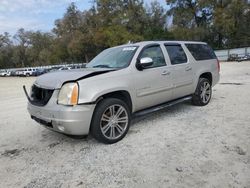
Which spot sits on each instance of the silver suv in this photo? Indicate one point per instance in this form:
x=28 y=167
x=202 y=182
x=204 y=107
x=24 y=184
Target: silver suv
x=123 y=82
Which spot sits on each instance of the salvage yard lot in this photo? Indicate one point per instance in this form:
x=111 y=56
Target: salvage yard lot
x=182 y=146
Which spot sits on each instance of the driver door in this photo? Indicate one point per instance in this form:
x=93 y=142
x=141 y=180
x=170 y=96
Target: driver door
x=153 y=85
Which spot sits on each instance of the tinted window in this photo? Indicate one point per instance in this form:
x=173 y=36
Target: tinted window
x=155 y=53
x=201 y=51
x=176 y=54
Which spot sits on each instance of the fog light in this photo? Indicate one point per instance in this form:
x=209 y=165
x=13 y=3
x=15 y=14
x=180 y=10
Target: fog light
x=61 y=128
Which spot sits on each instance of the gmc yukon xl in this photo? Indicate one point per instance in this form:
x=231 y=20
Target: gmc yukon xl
x=123 y=82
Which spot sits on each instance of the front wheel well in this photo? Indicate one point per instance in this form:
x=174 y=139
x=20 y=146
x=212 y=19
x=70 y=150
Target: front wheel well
x=122 y=95
x=207 y=75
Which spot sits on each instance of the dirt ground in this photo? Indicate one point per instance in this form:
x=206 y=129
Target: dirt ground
x=182 y=146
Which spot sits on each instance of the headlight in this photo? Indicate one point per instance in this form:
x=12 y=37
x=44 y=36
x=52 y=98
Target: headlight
x=68 y=94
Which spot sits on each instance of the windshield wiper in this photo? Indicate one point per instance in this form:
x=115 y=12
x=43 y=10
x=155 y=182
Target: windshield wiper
x=101 y=66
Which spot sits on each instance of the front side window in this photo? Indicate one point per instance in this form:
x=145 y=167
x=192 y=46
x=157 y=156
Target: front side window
x=155 y=53
x=118 y=57
x=176 y=54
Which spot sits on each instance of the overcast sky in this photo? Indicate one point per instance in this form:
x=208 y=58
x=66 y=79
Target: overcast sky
x=37 y=14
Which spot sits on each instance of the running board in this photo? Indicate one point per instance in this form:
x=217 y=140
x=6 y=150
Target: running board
x=161 y=106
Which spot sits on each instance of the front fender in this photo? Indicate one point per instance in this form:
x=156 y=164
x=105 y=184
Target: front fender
x=92 y=88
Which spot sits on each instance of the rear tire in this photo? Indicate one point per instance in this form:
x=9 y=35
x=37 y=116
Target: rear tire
x=111 y=121
x=203 y=92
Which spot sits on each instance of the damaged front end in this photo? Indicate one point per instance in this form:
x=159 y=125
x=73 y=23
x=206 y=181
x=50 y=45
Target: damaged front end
x=38 y=96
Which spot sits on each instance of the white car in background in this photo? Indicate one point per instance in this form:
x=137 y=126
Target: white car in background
x=5 y=73
x=27 y=72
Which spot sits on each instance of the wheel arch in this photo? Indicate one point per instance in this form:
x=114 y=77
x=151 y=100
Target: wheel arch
x=119 y=94
x=207 y=75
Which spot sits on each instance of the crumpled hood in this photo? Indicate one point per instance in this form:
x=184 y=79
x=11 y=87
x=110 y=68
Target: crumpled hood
x=55 y=80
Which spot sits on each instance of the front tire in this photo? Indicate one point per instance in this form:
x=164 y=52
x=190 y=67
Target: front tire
x=111 y=121
x=203 y=92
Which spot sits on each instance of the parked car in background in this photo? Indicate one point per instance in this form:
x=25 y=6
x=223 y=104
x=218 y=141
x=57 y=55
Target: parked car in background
x=123 y=82
x=4 y=73
x=18 y=72
x=27 y=72
x=77 y=66
x=13 y=73
x=233 y=57
x=244 y=58
x=74 y=67
x=39 y=72
x=65 y=68
x=53 y=69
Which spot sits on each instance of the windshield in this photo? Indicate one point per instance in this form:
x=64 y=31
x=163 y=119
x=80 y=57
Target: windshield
x=119 y=57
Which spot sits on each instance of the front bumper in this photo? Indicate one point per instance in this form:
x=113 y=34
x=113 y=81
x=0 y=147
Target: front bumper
x=72 y=120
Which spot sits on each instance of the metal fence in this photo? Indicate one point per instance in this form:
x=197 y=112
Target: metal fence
x=44 y=67
x=223 y=55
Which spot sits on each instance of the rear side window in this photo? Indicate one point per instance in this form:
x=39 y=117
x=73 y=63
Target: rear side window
x=176 y=54
x=201 y=51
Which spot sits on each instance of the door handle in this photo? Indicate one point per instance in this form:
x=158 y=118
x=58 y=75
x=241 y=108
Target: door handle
x=188 y=68
x=165 y=73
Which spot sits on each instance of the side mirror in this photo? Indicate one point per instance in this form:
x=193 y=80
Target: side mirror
x=144 y=63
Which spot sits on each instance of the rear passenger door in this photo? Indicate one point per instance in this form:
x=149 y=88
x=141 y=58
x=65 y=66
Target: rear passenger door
x=182 y=70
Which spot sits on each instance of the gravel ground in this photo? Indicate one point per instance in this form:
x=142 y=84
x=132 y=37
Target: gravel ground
x=182 y=146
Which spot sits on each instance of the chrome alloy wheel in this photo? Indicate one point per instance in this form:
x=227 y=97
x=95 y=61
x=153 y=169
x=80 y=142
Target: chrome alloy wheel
x=205 y=92
x=114 y=121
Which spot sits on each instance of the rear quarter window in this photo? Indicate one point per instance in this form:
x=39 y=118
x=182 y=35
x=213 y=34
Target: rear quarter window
x=201 y=51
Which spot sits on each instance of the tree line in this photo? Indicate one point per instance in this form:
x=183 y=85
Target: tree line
x=79 y=35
